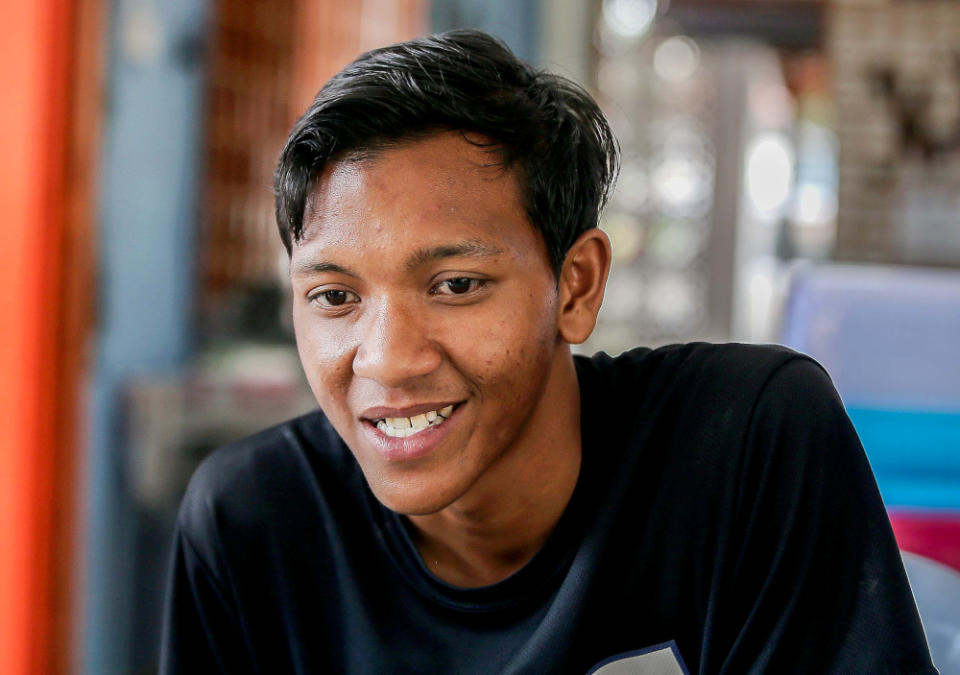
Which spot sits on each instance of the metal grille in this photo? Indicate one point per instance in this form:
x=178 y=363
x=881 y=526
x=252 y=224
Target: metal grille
x=897 y=92
x=269 y=57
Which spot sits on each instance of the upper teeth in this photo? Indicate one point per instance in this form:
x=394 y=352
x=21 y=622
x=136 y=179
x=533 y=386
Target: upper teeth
x=401 y=427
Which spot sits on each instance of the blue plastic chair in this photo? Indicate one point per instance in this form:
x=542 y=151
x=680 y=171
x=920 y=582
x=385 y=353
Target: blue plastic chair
x=890 y=339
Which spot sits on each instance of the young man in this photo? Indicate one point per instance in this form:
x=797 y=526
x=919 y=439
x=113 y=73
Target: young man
x=470 y=498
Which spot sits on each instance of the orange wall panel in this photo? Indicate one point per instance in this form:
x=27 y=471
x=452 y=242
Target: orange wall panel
x=33 y=73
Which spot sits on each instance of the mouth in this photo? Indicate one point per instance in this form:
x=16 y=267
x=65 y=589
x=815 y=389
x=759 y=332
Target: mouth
x=404 y=427
x=401 y=434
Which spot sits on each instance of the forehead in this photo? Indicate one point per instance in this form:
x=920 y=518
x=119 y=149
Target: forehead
x=439 y=185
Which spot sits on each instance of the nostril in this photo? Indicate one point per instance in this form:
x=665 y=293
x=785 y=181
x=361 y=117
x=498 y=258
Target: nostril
x=391 y=365
x=395 y=353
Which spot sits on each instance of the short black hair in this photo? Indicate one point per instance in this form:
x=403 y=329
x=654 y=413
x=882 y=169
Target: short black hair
x=543 y=124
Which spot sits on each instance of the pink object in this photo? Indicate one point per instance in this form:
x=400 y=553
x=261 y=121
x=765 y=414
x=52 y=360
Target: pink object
x=932 y=534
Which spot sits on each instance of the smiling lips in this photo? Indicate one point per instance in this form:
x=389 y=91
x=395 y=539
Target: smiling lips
x=403 y=427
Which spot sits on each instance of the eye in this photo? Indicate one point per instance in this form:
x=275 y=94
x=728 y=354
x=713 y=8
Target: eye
x=333 y=298
x=457 y=286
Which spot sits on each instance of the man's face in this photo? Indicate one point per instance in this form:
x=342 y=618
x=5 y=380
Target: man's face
x=425 y=310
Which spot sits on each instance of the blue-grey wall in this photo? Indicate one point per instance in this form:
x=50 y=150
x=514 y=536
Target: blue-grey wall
x=516 y=22
x=147 y=226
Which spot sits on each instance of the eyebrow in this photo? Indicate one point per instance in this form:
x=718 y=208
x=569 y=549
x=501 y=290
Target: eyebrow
x=471 y=248
x=316 y=267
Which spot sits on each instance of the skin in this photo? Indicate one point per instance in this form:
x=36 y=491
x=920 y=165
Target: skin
x=420 y=281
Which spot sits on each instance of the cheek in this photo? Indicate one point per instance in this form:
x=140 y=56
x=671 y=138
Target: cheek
x=324 y=352
x=511 y=351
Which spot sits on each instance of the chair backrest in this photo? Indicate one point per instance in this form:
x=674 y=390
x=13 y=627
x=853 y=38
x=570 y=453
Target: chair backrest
x=890 y=339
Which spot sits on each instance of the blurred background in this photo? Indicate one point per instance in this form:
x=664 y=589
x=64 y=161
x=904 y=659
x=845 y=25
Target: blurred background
x=791 y=174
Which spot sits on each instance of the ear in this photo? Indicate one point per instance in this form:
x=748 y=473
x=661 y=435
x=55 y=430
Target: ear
x=583 y=278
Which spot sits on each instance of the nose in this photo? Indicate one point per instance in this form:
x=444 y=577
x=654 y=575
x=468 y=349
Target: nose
x=394 y=347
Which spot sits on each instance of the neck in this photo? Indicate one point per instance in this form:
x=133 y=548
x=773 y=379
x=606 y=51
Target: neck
x=506 y=517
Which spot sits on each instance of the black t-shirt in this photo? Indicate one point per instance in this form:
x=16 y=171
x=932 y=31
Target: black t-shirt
x=724 y=506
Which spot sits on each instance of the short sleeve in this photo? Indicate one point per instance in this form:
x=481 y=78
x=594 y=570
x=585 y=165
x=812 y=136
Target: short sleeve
x=816 y=582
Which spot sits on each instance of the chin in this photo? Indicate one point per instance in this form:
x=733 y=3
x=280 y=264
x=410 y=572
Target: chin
x=411 y=501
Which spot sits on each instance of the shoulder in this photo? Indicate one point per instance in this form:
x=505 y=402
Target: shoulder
x=723 y=372
x=765 y=409
x=240 y=487
x=240 y=466
x=731 y=362
x=712 y=409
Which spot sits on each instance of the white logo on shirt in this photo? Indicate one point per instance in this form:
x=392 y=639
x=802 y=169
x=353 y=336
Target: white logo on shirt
x=661 y=659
